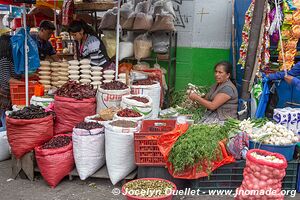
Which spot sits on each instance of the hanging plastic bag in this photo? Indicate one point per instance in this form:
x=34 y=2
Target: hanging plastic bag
x=125 y=11
x=125 y=50
x=109 y=41
x=142 y=21
x=109 y=20
x=163 y=23
x=160 y=42
x=143 y=7
x=142 y=47
x=18 y=50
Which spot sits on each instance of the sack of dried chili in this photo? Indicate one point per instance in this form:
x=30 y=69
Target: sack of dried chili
x=70 y=112
x=26 y=134
x=55 y=163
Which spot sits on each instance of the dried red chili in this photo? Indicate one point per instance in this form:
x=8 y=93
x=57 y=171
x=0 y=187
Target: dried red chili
x=30 y=112
x=89 y=125
x=114 y=85
x=128 y=113
x=140 y=99
x=144 y=82
x=57 y=142
x=72 y=89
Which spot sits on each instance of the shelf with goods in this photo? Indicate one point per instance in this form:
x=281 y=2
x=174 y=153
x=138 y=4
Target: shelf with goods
x=169 y=58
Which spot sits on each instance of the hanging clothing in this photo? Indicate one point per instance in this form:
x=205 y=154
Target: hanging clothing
x=94 y=50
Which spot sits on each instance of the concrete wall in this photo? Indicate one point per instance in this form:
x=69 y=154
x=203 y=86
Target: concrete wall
x=204 y=31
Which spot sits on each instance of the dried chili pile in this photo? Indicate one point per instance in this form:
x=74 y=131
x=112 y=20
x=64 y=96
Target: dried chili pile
x=57 y=142
x=124 y=124
x=30 y=112
x=75 y=90
x=114 y=85
x=88 y=125
x=144 y=82
x=128 y=113
x=140 y=99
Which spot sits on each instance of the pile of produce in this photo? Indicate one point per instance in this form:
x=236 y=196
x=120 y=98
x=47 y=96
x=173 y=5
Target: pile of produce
x=246 y=125
x=200 y=144
x=108 y=114
x=140 y=99
x=272 y=159
x=144 y=82
x=98 y=119
x=114 y=85
x=184 y=106
x=159 y=188
x=57 y=142
x=88 y=125
x=124 y=124
x=128 y=113
x=274 y=134
x=72 y=89
x=30 y=112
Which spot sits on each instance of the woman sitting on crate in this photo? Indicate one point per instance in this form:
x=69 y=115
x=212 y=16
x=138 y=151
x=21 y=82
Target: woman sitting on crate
x=89 y=45
x=6 y=73
x=222 y=99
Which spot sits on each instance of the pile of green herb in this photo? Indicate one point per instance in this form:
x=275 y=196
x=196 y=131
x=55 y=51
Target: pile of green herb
x=199 y=143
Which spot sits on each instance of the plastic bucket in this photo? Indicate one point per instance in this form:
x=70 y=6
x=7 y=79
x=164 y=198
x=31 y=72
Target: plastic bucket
x=131 y=197
x=287 y=151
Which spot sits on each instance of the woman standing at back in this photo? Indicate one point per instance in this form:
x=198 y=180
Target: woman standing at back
x=89 y=45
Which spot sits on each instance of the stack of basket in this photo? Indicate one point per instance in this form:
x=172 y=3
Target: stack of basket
x=44 y=74
x=96 y=76
x=108 y=76
x=85 y=71
x=55 y=68
x=63 y=73
x=74 y=70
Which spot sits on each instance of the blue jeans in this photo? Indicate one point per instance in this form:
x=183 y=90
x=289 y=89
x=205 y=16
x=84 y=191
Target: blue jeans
x=2 y=118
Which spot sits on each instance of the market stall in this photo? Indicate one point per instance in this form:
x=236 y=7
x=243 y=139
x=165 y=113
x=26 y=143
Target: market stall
x=108 y=121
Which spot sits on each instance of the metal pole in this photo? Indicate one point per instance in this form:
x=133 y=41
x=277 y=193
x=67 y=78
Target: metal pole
x=26 y=55
x=117 y=39
x=55 y=18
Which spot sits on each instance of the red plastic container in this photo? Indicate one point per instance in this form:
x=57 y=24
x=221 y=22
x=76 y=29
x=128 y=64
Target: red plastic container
x=146 y=150
x=18 y=93
x=168 y=197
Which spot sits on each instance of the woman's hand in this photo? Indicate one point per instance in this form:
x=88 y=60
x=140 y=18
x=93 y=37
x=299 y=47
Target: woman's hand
x=193 y=96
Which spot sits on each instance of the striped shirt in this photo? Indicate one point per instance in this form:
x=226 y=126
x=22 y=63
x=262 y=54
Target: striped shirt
x=94 y=50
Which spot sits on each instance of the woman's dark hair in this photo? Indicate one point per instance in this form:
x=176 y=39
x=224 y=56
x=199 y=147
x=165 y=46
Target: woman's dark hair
x=77 y=25
x=227 y=68
x=6 y=48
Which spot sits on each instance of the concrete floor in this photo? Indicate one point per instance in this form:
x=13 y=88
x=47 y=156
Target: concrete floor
x=91 y=189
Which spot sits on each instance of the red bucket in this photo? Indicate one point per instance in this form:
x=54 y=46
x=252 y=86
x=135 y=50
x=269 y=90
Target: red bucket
x=166 y=197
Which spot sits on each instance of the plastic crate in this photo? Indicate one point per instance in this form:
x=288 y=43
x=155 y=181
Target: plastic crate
x=146 y=150
x=18 y=92
x=230 y=177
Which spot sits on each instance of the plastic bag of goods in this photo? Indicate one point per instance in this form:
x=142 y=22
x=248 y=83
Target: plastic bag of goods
x=126 y=50
x=110 y=95
x=163 y=22
x=109 y=19
x=129 y=114
x=264 y=171
x=72 y=103
x=55 y=159
x=160 y=42
x=125 y=12
x=140 y=103
x=88 y=148
x=149 y=88
x=109 y=41
x=142 y=46
x=28 y=128
x=119 y=149
x=4 y=146
x=142 y=21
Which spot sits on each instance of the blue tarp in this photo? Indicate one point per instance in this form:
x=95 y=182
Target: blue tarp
x=240 y=8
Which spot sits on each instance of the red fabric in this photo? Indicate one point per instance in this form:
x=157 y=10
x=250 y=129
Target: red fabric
x=70 y=112
x=26 y=134
x=9 y=2
x=166 y=142
x=67 y=12
x=262 y=175
x=55 y=164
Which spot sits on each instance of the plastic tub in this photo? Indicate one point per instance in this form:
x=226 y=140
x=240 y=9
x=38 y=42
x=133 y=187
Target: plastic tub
x=167 y=197
x=287 y=151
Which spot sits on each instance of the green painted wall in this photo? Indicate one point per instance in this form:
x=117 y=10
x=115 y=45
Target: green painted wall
x=195 y=65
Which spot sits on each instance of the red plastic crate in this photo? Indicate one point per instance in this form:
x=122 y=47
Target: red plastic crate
x=145 y=142
x=18 y=93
